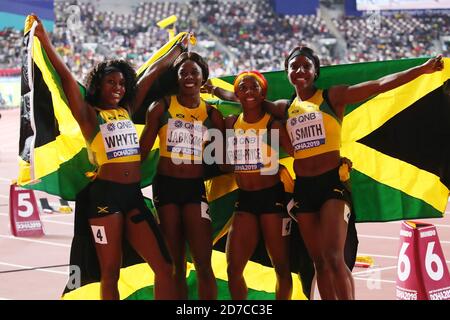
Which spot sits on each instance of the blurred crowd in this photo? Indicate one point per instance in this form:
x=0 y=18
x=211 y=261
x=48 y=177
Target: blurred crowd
x=397 y=36
x=232 y=36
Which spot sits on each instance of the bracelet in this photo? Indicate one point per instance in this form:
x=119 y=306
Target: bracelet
x=213 y=89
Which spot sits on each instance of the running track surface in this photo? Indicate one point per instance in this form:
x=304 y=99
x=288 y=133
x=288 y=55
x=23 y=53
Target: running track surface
x=378 y=240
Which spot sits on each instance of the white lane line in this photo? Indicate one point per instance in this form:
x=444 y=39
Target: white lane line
x=35 y=241
x=13 y=138
x=55 y=215
x=58 y=222
x=11 y=145
x=371 y=236
x=375 y=280
x=373 y=270
x=4 y=197
x=28 y=267
x=45 y=220
x=442 y=225
x=5 y=179
x=384 y=256
x=377 y=255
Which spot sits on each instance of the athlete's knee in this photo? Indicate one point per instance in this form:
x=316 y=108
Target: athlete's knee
x=180 y=269
x=320 y=263
x=235 y=270
x=165 y=270
x=282 y=270
x=282 y=267
x=334 y=259
x=110 y=273
x=204 y=270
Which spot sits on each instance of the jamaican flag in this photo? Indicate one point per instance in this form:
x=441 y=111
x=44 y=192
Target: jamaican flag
x=52 y=151
x=397 y=141
x=53 y=158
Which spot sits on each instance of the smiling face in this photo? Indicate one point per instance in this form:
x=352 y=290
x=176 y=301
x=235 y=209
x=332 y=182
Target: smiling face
x=112 y=89
x=301 y=72
x=249 y=92
x=190 y=77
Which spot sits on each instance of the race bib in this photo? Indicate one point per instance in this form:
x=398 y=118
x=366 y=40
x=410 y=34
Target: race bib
x=120 y=139
x=306 y=130
x=185 y=137
x=245 y=152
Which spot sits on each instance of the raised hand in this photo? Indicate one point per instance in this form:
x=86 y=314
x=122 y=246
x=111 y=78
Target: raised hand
x=433 y=65
x=40 y=30
x=348 y=162
x=207 y=87
x=185 y=40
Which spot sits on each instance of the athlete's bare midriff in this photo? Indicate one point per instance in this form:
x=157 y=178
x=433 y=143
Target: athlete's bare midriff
x=256 y=181
x=316 y=165
x=167 y=167
x=122 y=172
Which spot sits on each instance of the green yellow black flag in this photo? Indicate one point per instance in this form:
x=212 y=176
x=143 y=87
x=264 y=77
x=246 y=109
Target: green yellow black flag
x=53 y=158
x=397 y=141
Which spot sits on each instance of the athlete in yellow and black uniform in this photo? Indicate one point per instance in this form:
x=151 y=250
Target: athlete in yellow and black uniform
x=314 y=128
x=115 y=141
x=181 y=122
x=313 y=120
x=251 y=154
x=182 y=135
x=314 y=125
x=260 y=210
x=116 y=204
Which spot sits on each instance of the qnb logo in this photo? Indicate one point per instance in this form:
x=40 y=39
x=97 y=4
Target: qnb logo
x=178 y=124
x=124 y=125
x=293 y=121
x=192 y=126
x=198 y=126
x=110 y=127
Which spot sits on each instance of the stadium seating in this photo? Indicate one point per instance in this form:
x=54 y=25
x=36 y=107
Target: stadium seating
x=233 y=35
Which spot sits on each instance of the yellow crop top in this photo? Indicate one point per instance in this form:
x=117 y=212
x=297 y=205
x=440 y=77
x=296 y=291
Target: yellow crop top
x=249 y=149
x=116 y=139
x=182 y=132
x=313 y=127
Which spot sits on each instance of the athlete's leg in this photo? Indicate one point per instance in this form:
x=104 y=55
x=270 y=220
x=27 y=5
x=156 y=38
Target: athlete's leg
x=242 y=240
x=334 y=232
x=171 y=224
x=309 y=226
x=198 y=231
x=277 y=243
x=107 y=234
x=144 y=235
